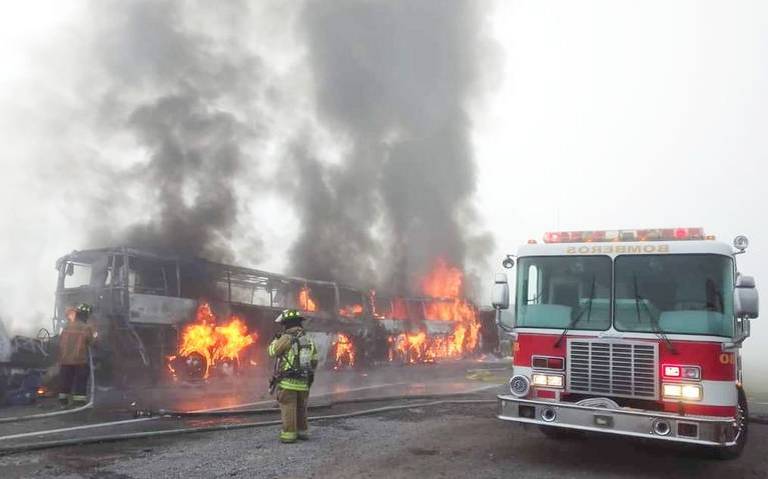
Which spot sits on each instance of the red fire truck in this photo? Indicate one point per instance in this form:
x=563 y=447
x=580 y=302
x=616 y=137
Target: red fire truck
x=630 y=332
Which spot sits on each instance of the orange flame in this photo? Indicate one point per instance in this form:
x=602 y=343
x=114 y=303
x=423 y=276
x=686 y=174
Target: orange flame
x=399 y=309
x=306 y=303
x=352 y=310
x=233 y=337
x=344 y=352
x=374 y=307
x=410 y=348
x=214 y=343
x=443 y=281
x=445 y=284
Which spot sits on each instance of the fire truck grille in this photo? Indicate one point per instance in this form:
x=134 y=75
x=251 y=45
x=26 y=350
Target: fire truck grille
x=613 y=369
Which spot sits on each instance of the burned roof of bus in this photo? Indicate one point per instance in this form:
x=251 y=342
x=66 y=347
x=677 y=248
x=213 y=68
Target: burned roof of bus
x=235 y=273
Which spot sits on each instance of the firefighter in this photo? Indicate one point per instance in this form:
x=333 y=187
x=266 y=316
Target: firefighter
x=295 y=363
x=74 y=342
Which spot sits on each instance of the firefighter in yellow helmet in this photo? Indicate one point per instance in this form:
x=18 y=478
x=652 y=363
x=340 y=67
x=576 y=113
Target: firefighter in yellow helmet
x=295 y=363
x=74 y=341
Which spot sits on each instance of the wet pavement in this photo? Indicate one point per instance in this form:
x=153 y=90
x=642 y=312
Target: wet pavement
x=420 y=441
x=449 y=441
x=114 y=411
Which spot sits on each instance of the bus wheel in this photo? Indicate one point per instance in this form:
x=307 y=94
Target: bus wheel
x=742 y=427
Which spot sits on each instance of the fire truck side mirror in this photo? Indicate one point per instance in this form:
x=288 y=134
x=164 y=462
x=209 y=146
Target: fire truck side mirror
x=746 y=301
x=500 y=294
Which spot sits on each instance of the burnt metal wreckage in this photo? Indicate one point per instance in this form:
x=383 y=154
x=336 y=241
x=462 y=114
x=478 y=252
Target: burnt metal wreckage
x=142 y=300
x=23 y=365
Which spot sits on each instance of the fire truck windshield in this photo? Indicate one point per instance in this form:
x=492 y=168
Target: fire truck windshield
x=564 y=292
x=677 y=294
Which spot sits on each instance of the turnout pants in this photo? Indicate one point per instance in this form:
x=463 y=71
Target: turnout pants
x=74 y=382
x=293 y=410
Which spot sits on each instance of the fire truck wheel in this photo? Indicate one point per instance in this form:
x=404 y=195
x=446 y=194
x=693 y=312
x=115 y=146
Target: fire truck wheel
x=742 y=419
x=560 y=433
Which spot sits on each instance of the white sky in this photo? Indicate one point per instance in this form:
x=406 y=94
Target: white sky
x=607 y=114
x=629 y=114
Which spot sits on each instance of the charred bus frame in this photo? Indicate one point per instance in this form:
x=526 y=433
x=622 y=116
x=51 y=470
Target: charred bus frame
x=141 y=300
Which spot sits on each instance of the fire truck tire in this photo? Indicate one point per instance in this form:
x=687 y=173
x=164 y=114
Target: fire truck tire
x=560 y=433
x=733 y=452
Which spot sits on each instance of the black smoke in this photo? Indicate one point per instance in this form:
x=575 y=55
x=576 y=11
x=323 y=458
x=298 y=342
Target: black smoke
x=392 y=81
x=172 y=84
x=395 y=79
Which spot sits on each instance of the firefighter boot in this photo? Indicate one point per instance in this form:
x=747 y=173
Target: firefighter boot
x=288 y=437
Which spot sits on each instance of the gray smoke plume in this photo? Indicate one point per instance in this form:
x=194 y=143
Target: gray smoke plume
x=391 y=79
x=172 y=86
x=395 y=77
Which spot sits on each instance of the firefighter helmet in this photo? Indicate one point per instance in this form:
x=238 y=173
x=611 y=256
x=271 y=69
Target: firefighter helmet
x=84 y=310
x=287 y=315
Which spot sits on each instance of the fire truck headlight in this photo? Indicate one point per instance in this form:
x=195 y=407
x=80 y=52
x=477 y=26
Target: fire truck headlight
x=519 y=386
x=689 y=392
x=555 y=381
x=548 y=380
x=673 y=391
x=692 y=392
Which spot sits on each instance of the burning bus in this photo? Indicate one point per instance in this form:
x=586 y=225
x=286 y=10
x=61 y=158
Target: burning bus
x=632 y=332
x=439 y=325
x=195 y=318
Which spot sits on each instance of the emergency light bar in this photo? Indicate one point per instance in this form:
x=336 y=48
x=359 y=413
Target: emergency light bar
x=659 y=234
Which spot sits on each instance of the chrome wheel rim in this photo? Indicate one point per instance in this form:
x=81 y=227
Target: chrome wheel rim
x=739 y=423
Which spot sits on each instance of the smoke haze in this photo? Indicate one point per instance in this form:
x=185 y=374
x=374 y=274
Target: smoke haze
x=169 y=85
x=399 y=198
x=395 y=79
x=615 y=114
x=249 y=133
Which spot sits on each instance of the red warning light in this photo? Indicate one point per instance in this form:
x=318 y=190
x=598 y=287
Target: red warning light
x=662 y=234
x=551 y=238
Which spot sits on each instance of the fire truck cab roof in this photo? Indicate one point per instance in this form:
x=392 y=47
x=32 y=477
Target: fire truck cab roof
x=618 y=248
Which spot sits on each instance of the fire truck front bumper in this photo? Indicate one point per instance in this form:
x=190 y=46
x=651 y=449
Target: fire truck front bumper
x=709 y=431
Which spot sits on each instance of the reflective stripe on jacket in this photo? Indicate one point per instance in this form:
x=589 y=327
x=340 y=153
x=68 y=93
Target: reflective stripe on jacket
x=286 y=349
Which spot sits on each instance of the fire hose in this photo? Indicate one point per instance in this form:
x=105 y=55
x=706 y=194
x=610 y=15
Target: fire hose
x=227 y=427
x=753 y=419
x=88 y=405
x=242 y=412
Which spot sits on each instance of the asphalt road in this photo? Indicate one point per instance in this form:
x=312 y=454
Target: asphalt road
x=113 y=412
x=443 y=441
